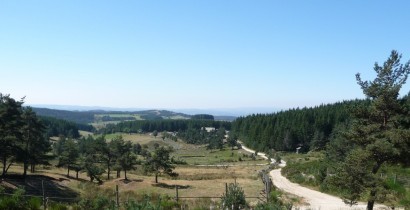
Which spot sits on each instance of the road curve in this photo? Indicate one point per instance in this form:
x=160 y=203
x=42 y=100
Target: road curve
x=312 y=199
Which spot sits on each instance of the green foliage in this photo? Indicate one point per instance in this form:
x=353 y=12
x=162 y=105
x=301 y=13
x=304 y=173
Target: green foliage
x=303 y=172
x=18 y=202
x=160 y=163
x=234 y=198
x=163 y=125
x=275 y=202
x=57 y=127
x=22 y=136
x=57 y=206
x=309 y=128
x=377 y=134
x=202 y=117
x=78 y=117
x=96 y=203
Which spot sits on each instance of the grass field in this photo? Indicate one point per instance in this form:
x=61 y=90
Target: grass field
x=194 y=154
x=197 y=179
x=136 y=116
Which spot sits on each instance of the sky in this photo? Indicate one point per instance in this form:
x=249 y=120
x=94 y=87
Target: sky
x=196 y=54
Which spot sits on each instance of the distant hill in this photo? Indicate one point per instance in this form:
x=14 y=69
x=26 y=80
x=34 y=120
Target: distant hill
x=73 y=116
x=86 y=117
x=114 y=116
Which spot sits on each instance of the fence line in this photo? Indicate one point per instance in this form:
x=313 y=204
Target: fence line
x=116 y=194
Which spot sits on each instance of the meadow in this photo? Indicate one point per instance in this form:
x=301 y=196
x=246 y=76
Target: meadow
x=203 y=177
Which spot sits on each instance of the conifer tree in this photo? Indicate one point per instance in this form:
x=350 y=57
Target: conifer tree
x=376 y=133
x=34 y=143
x=160 y=163
x=10 y=130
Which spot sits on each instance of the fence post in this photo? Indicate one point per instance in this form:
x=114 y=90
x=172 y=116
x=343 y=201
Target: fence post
x=44 y=195
x=176 y=191
x=117 y=198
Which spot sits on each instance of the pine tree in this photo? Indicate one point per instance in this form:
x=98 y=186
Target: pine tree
x=377 y=133
x=34 y=145
x=160 y=163
x=10 y=130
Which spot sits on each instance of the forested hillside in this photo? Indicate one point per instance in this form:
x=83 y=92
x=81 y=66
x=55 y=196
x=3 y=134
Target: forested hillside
x=56 y=127
x=78 y=117
x=163 y=125
x=308 y=128
x=85 y=117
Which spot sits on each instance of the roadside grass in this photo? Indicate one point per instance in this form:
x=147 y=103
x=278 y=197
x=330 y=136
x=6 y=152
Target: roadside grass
x=302 y=158
x=310 y=171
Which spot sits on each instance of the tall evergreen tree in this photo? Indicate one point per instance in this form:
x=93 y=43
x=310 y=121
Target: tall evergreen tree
x=377 y=133
x=69 y=155
x=10 y=130
x=34 y=145
x=160 y=163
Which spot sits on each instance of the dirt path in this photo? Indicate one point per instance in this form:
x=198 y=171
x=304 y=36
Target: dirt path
x=314 y=200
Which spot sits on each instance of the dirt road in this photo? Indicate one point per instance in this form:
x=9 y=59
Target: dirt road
x=313 y=199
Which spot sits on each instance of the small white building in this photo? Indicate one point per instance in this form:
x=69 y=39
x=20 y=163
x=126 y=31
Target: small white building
x=208 y=129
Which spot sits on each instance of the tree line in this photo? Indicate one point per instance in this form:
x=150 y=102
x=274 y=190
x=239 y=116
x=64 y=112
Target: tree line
x=361 y=139
x=97 y=156
x=56 y=127
x=142 y=126
x=308 y=128
x=22 y=136
x=85 y=117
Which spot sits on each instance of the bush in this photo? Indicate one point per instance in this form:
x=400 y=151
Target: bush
x=18 y=201
x=234 y=197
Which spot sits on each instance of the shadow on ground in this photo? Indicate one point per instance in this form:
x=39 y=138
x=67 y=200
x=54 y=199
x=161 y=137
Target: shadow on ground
x=36 y=185
x=164 y=185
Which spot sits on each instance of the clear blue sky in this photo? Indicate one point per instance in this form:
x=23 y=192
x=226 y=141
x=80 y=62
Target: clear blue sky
x=196 y=54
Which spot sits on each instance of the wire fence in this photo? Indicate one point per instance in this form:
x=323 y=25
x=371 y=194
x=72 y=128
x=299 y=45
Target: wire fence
x=48 y=192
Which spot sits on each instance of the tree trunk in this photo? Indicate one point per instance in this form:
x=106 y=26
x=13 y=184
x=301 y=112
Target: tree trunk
x=4 y=166
x=68 y=170
x=118 y=173
x=7 y=168
x=370 y=203
x=125 y=174
x=156 y=178
x=25 y=166
x=33 y=168
x=76 y=175
x=109 y=171
x=373 y=191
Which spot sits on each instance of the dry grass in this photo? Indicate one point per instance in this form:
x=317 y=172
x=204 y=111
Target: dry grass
x=85 y=133
x=193 y=181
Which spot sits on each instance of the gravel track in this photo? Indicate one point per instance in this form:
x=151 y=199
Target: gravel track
x=313 y=200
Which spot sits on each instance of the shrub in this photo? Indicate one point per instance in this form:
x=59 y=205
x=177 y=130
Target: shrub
x=234 y=197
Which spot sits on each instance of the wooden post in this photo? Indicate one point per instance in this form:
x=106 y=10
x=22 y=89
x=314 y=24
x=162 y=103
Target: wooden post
x=176 y=191
x=117 y=197
x=44 y=195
